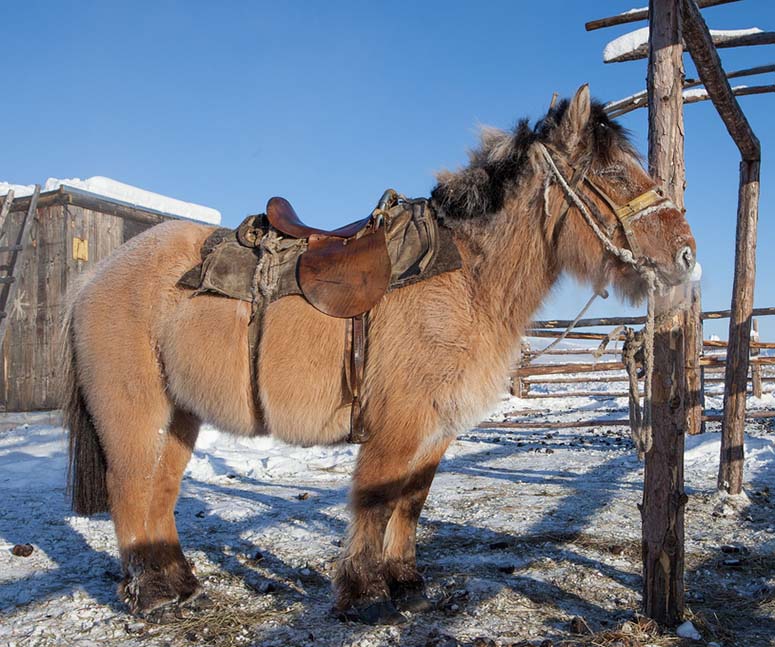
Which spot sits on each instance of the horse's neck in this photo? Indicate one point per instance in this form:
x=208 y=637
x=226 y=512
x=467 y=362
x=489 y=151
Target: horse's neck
x=511 y=270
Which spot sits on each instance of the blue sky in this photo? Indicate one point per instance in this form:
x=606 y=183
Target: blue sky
x=229 y=103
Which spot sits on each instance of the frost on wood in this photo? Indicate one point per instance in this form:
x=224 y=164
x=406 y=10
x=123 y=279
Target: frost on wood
x=115 y=190
x=631 y=41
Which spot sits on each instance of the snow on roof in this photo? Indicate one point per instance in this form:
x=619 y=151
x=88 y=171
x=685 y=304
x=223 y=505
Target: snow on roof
x=126 y=193
x=632 y=40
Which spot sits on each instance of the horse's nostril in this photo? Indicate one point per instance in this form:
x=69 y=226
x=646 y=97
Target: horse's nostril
x=685 y=258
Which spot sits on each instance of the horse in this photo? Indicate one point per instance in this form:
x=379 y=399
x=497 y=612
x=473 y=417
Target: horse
x=147 y=363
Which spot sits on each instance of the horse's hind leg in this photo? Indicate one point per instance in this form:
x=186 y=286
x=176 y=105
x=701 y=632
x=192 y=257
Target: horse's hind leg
x=169 y=568
x=145 y=465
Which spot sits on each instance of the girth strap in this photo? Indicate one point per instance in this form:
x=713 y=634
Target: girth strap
x=357 y=339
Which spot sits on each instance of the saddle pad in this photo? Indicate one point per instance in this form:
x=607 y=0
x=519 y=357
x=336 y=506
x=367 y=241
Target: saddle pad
x=345 y=277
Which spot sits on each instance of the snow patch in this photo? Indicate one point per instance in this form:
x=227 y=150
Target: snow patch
x=687 y=630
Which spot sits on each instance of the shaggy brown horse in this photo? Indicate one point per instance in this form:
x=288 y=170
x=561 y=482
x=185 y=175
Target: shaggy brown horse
x=148 y=363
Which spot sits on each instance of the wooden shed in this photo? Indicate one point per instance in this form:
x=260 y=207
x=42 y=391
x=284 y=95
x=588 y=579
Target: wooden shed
x=72 y=231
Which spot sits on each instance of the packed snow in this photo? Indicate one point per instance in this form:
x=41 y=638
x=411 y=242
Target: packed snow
x=631 y=41
x=524 y=532
x=126 y=193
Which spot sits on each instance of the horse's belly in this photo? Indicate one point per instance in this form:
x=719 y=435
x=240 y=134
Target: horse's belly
x=301 y=379
x=207 y=365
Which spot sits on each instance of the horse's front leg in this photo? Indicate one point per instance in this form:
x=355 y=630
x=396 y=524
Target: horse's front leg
x=361 y=584
x=407 y=588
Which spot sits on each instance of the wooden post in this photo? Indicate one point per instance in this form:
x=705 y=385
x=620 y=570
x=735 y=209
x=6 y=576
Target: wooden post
x=756 y=369
x=695 y=394
x=662 y=511
x=730 y=476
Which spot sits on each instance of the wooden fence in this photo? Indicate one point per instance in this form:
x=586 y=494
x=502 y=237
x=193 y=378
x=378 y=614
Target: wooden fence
x=601 y=365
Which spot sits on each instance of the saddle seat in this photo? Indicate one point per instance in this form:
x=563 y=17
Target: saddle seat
x=344 y=272
x=282 y=217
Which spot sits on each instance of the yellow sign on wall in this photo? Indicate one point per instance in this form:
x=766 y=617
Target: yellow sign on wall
x=80 y=249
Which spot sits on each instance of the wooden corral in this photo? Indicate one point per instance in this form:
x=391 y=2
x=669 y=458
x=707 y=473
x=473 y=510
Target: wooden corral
x=72 y=230
x=593 y=365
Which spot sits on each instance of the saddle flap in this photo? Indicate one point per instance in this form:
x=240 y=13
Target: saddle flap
x=345 y=277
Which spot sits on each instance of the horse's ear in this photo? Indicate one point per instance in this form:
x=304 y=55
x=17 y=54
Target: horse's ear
x=577 y=115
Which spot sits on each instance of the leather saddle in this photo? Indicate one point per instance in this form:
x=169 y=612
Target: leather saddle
x=344 y=272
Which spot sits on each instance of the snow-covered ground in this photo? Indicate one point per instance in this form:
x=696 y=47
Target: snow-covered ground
x=122 y=192
x=522 y=532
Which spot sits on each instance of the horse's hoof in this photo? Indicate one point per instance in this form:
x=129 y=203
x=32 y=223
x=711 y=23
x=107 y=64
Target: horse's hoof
x=381 y=612
x=413 y=602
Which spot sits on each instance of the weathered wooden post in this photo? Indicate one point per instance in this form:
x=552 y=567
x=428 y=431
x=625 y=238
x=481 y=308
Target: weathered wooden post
x=756 y=369
x=662 y=511
x=695 y=392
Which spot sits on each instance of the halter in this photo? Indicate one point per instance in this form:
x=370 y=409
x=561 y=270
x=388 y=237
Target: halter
x=644 y=204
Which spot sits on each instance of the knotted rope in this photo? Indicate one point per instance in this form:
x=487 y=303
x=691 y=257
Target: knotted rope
x=266 y=275
x=640 y=419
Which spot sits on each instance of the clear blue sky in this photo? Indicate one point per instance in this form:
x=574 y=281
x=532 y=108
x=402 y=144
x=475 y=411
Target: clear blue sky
x=329 y=103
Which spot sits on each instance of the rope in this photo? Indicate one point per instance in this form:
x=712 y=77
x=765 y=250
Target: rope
x=570 y=327
x=624 y=255
x=640 y=418
x=266 y=275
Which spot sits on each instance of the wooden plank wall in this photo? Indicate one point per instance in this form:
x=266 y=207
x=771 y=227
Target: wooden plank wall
x=31 y=353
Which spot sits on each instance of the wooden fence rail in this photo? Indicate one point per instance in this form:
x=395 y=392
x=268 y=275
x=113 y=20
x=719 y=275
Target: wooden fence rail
x=528 y=374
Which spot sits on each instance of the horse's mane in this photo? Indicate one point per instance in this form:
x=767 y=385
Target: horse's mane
x=497 y=164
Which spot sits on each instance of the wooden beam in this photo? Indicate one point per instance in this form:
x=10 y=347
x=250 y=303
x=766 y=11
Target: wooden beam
x=725 y=314
x=713 y=343
x=560 y=369
x=572 y=351
x=718 y=40
x=587 y=323
x=575 y=380
x=571 y=335
x=706 y=59
x=738 y=91
x=607 y=422
x=635 y=15
x=628 y=321
x=579 y=394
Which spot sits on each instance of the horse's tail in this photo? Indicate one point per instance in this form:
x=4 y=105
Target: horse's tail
x=87 y=470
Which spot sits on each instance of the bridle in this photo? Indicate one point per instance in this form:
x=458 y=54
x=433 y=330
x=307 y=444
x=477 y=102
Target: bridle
x=644 y=204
